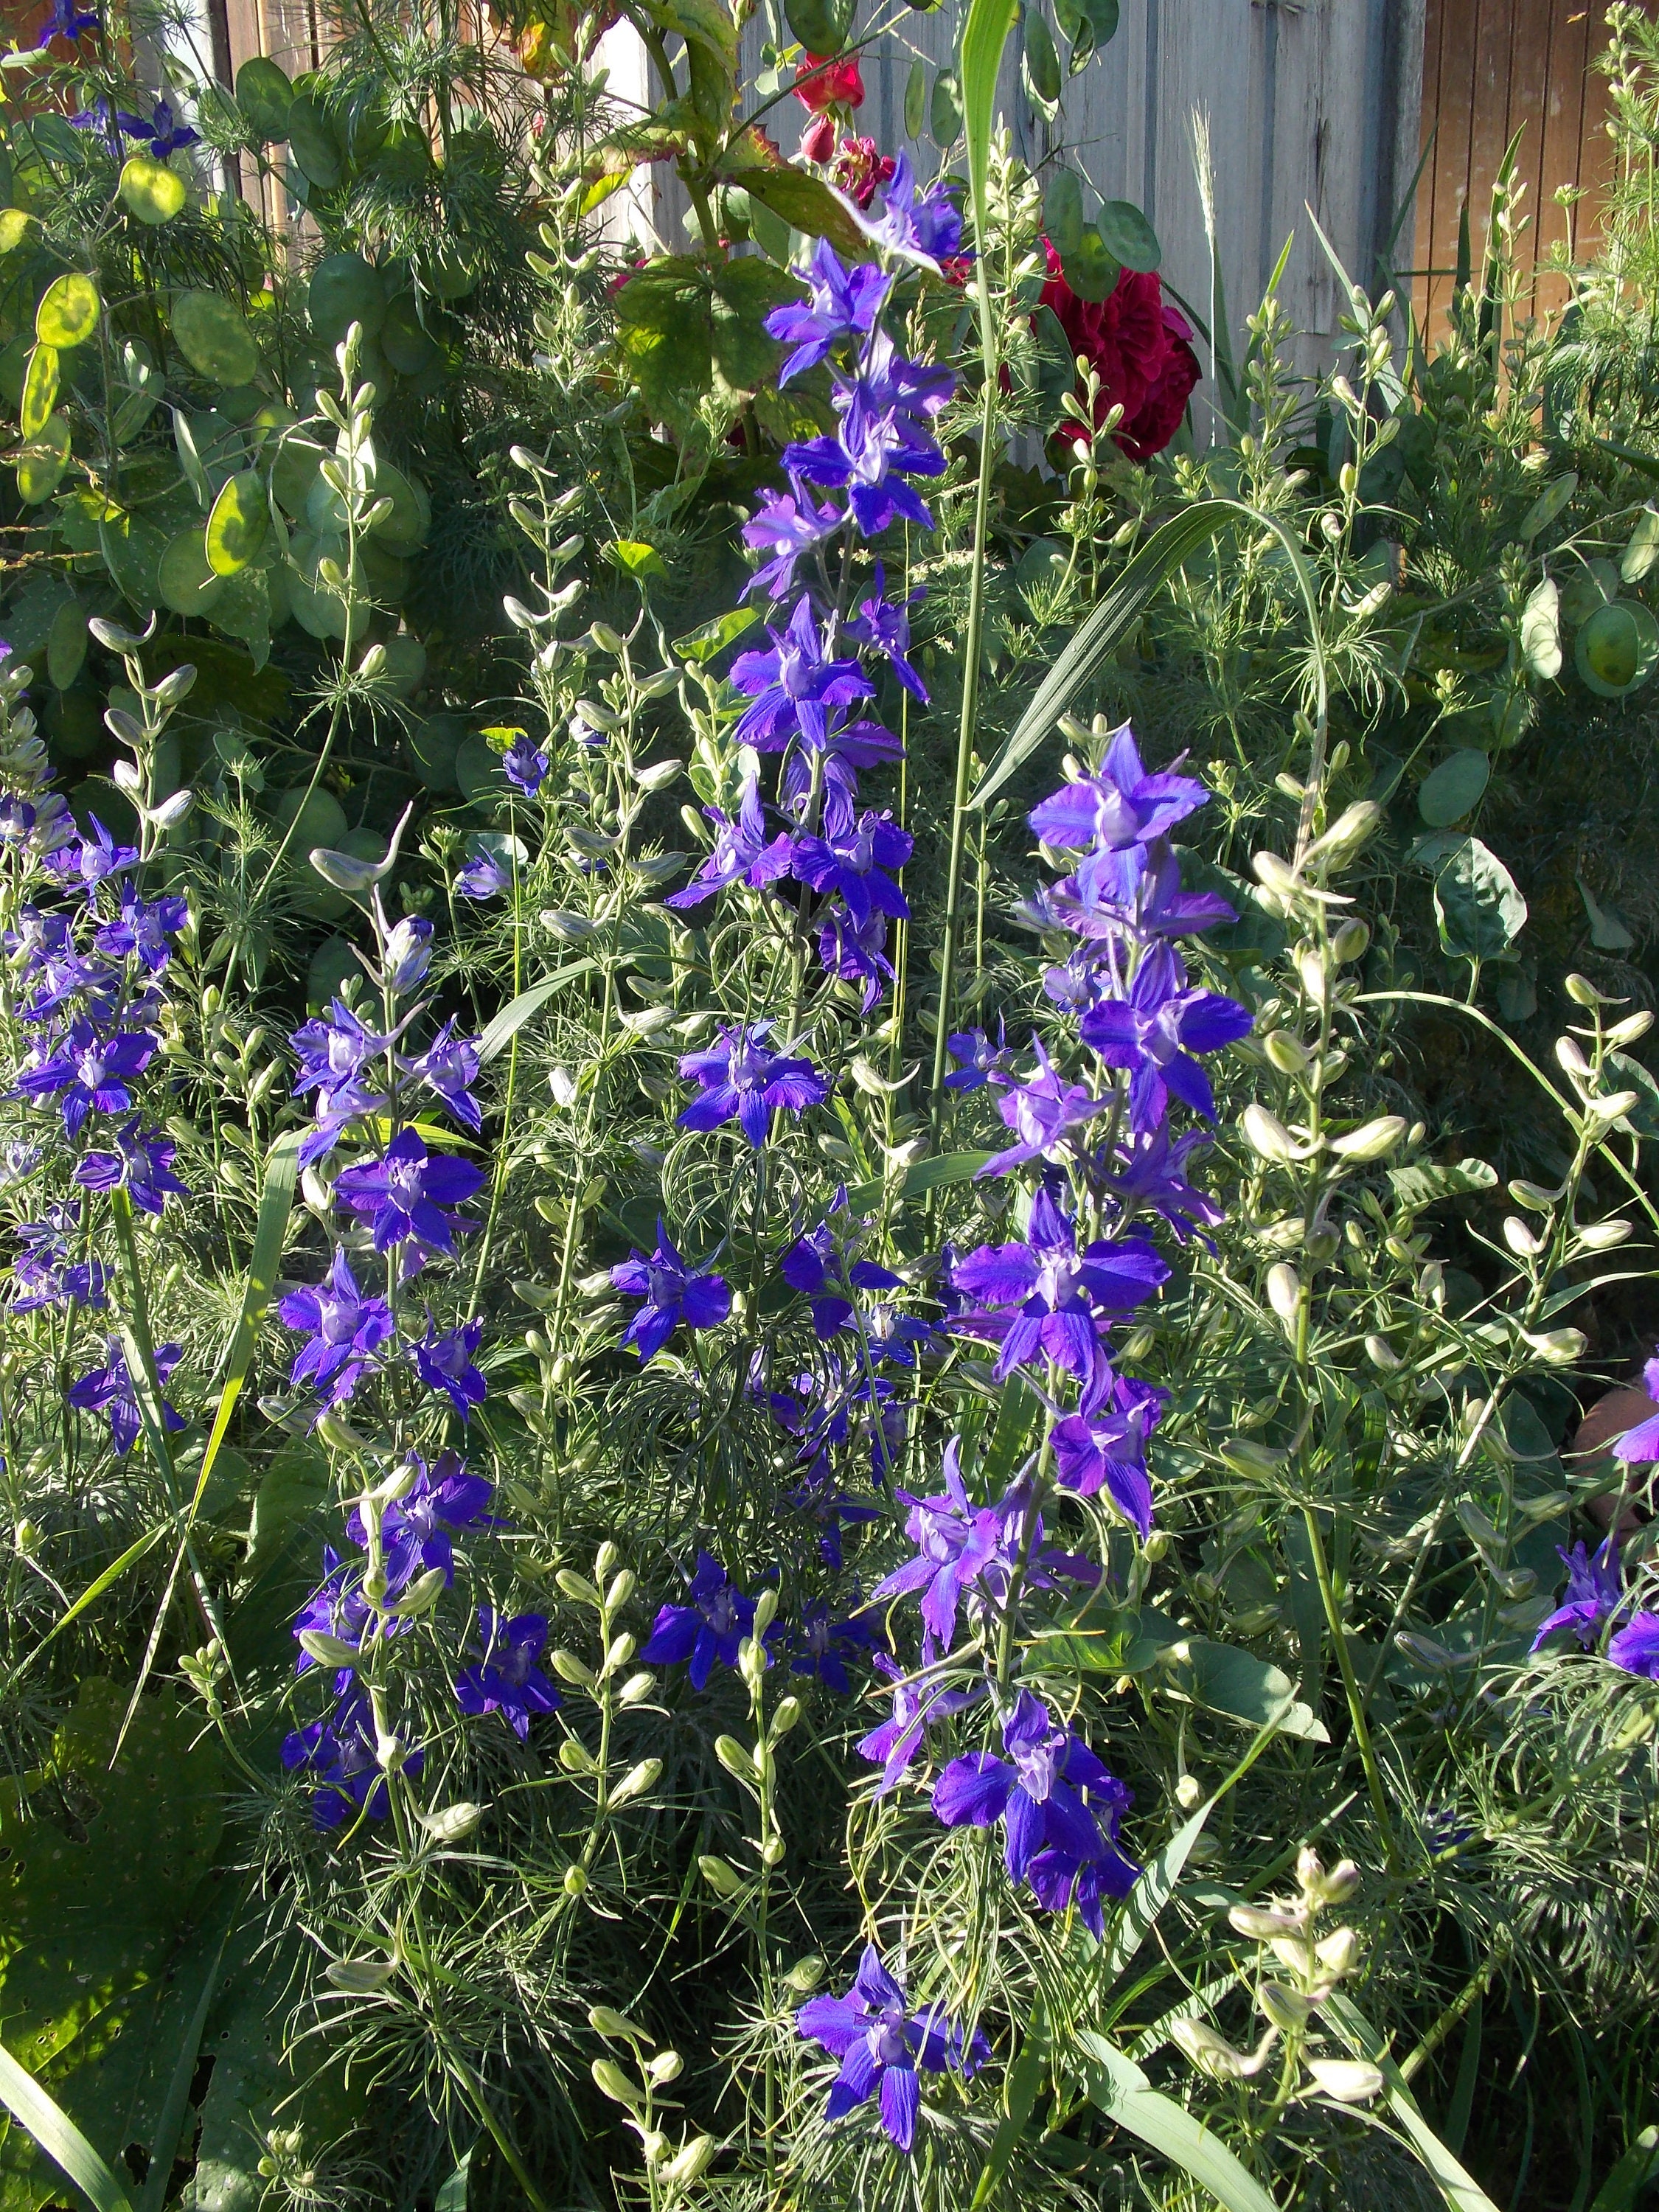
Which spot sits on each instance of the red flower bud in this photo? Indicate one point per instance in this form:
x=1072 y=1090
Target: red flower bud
x=817 y=140
x=822 y=83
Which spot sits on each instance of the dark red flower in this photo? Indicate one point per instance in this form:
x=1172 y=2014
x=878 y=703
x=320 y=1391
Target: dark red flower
x=822 y=83
x=817 y=140
x=860 y=169
x=1139 y=346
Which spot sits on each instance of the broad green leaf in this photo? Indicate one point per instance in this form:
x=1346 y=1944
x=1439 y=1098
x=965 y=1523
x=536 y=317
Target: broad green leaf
x=68 y=313
x=745 y=293
x=150 y=191
x=237 y=527
x=916 y=100
x=1090 y=270
x=66 y=644
x=820 y=25
x=1417 y=1187
x=805 y=203
x=1608 y=934
x=265 y=96
x=1540 y=630
x=1129 y=238
x=1225 y=1679
x=294 y=1485
x=1461 y=2191
x=934 y=1174
x=452 y=2196
x=1062 y=212
x=984 y=36
x=1548 y=505
x=1154 y=1886
x=1449 y=792
x=1635 y=2170
x=39 y=392
x=1122 y=2091
x=185 y=575
x=58 y=2136
x=314 y=143
x=1042 y=63
x=513 y=1016
x=1617 y=648
x=635 y=558
x=41 y=465
x=1644 y=548
x=1477 y=904
x=663 y=330
x=214 y=337
x=1019 y=2095
x=702 y=645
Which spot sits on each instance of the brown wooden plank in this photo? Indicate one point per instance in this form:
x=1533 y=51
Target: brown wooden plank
x=1488 y=117
x=1422 y=255
x=1451 y=170
x=1570 y=51
x=1529 y=52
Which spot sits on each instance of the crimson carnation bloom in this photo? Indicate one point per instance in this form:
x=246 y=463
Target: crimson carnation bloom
x=1139 y=346
x=822 y=83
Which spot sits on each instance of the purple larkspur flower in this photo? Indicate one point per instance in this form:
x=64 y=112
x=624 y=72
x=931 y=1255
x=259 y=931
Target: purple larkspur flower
x=507 y=1680
x=339 y=1754
x=741 y=853
x=672 y=1293
x=709 y=1628
x=342 y=1327
x=410 y=1195
x=1119 y=806
x=875 y=448
x=978 y=1058
x=44 y=1273
x=96 y=858
x=883 y=2047
x=448 y=1068
x=335 y=1052
x=1635 y=1648
x=742 y=1079
x=142 y=1162
x=1040 y=1114
x=1591 y=1597
x=924 y=225
x=842 y=303
x=823 y=1266
x=787 y=525
x=338 y=1608
x=855 y=952
x=829 y=1510
x=87 y=1074
x=483 y=877
x=1064 y=1300
x=884 y=628
x=1637 y=1446
x=849 y=747
x=443 y=1360
x=1042 y=1791
x=792 y=689
x=853 y=866
x=1134 y=891
x=1148 y=1174
x=525 y=765
x=419 y=1528
x=1155 y=1029
x=823 y=1645
x=163 y=131
x=108 y=1390
x=143 y=931
x=917 y=1704
x=1107 y=1451
x=968 y=1552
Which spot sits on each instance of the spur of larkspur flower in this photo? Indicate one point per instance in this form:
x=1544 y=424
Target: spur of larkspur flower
x=883 y=2046
x=672 y=1293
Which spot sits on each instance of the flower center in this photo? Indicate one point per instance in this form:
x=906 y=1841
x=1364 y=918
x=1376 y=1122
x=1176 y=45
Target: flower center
x=1058 y=1278
x=1036 y=1765
x=720 y=1610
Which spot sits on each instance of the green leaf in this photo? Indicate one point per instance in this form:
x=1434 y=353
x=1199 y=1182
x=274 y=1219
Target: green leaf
x=635 y=558
x=452 y=2196
x=1062 y=213
x=185 y=575
x=314 y=143
x=916 y=100
x=744 y=294
x=820 y=25
x=944 y=111
x=1608 y=932
x=149 y=191
x=663 y=320
x=39 y=392
x=264 y=96
x=1644 y=548
x=984 y=36
x=1019 y=2095
x=1120 y=608
x=66 y=644
x=1639 y=2166
x=1122 y=2091
x=294 y=1485
x=1128 y=237
x=69 y=310
x=214 y=337
x=132 y=550
x=1042 y=63
x=1540 y=630
x=805 y=203
x=1089 y=268
x=932 y=1174
x=1548 y=505
x=1477 y=905
x=1417 y=1187
x=702 y=645
x=513 y=1016
x=58 y=2136
x=1449 y=792
x=1154 y=1886
x=1461 y=2191
x=236 y=528
x=1225 y=1679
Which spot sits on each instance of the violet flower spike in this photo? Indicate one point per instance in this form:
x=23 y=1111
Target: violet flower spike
x=711 y=1628
x=916 y=1705
x=792 y=687
x=885 y=630
x=1041 y=1790
x=1119 y=806
x=741 y=854
x=1155 y=1029
x=844 y=303
x=1635 y=1648
x=672 y=1294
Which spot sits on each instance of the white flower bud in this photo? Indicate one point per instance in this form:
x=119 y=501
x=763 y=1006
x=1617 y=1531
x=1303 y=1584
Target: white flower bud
x=690 y=2162
x=1288 y=2009
x=1520 y=1239
x=1633 y=1027
x=637 y=1781
x=451 y=1822
x=1350 y=942
x=658 y=775
x=1285 y=1292
x=360 y=1977
x=1602 y=1236
x=1582 y=992
x=1373 y=1140
x=667 y=2066
x=1569 y=1053
x=1286 y=1053
x=1348 y=2081
x=1380 y=1353
x=1267 y=1135
x=1261 y=1923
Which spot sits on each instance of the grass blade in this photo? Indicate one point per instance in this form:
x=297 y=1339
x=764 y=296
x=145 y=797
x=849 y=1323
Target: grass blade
x=1122 y=2091
x=58 y=2136
x=517 y=1012
x=1461 y=2191
x=1633 y=2172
